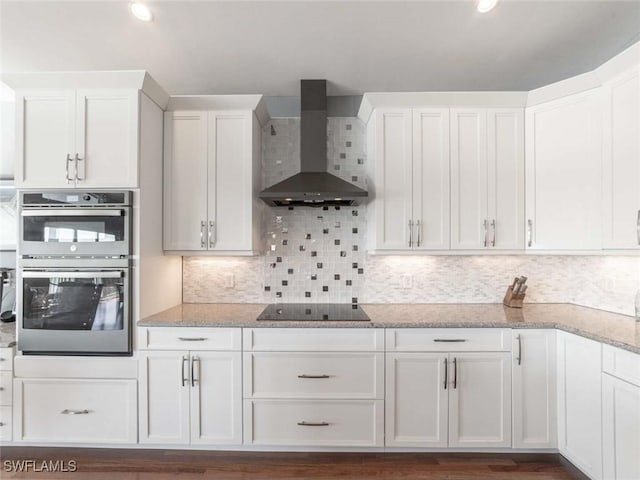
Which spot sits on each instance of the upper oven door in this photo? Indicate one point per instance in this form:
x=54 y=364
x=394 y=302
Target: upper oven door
x=75 y=231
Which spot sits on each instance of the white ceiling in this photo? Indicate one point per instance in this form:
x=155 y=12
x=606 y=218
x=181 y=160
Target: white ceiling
x=213 y=47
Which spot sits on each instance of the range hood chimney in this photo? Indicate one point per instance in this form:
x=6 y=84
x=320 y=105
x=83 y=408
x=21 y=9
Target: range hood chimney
x=313 y=186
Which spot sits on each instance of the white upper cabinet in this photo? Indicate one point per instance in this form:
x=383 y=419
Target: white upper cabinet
x=211 y=176
x=469 y=223
x=621 y=162
x=391 y=169
x=77 y=138
x=409 y=172
x=431 y=178
x=563 y=173
x=185 y=180
x=505 y=187
x=487 y=179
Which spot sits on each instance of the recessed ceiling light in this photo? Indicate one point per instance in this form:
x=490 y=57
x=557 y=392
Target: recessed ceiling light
x=141 y=11
x=485 y=5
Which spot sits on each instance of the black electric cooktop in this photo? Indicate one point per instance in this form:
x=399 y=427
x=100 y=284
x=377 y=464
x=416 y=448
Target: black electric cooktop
x=314 y=312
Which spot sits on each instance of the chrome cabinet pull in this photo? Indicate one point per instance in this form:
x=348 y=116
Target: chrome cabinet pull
x=78 y=159
x=203 y=225
x=638 y=226
x=449 y=340
x=418 y=228
x=212 y=237
x=69 y=159
x=455 y=373
x=446 y=373
x=313 y=424
x=410 y=233
x=530 y=232
x=1 y=424
x=493 y=227
x=484 y=226
x=66 y=411
x=519 y=349
x=195 y=380
x=184 y=379
x=304 y=375
x=192 y=339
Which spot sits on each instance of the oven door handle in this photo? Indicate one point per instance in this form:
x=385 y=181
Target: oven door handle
x=68 y=274
x=74 y=212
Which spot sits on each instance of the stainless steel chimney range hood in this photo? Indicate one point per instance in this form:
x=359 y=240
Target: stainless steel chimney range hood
x=313 y=186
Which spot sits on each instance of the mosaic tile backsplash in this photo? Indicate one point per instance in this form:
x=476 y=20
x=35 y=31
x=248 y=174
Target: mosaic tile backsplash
x=317 y=255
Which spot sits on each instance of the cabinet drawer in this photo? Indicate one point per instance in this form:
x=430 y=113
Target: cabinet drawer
x=621 y=363
x=6 y=384
x=313 y=339
x=6 y=359
x=172 y=338
x=75 y=411
x=313 y=375
x=449 y=339
x=5 y=424
x=344 y=423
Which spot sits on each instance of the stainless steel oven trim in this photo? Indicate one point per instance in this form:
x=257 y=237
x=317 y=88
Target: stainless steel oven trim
x=75 y=342
x=74 y=212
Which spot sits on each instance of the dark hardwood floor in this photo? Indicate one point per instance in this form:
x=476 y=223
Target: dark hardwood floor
x=127 y=464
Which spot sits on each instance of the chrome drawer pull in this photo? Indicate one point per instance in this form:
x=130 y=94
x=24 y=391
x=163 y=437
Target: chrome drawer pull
x=313 y=424
x=304 y=375
x=192 y=339
x=74 y=412
x=519 y=350
x=449 y=340
x=446 y=372
x=1 y=424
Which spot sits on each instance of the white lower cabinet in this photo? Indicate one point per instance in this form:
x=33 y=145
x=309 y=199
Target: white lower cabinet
x=190 y=397
x=580 y=402
x=348 y=423
x=534 y=388
x=314 y=387
x=620 y=414
x=75 y=410
x=455 y=399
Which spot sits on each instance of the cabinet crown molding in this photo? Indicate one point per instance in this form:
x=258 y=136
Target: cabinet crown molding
x=108 y=79
x=374 y=100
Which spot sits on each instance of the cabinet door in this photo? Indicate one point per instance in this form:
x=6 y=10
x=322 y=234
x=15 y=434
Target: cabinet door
x=416 y=400
x=534 y=388
x=45 y=129
x=621 y=429
x=431 y=178
x=563 y=174
x=185 y=181
x=505 y=137
x=480 y=400
x=216 y=398
x=107 y=138
x=230 y=181
x=75 y=410
x=621 y=176
x=164 y=397
x=393 y=179
x=580 y=402
x=469 y=219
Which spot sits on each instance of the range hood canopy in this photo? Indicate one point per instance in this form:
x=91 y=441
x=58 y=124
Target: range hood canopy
x=313 y=186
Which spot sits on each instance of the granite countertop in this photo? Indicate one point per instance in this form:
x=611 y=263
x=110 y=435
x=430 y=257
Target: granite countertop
x=7 y=334
x=611 y=328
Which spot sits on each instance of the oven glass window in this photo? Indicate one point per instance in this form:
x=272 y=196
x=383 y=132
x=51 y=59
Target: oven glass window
x=58 y=229
x=68 y=303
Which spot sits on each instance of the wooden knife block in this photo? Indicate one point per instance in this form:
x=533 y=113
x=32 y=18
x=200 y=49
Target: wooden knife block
x=512 y=300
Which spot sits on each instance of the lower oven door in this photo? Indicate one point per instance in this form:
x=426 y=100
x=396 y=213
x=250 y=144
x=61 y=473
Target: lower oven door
x=67 y=311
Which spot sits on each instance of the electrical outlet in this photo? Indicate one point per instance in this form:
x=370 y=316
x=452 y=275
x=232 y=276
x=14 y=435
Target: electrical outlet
x=406 y=281
x=229 y=280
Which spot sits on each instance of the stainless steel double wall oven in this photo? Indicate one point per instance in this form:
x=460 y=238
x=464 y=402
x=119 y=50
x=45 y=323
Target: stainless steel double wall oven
x=74 y=275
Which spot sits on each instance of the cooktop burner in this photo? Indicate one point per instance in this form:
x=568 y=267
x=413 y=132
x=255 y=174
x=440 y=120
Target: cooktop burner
x=314 y=312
